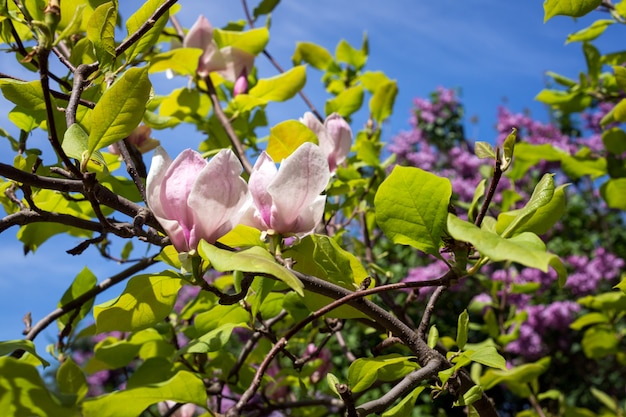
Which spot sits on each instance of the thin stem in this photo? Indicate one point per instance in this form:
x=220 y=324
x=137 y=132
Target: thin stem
x=428 y=311
x=228 y=128
x=495 y=179
x=145 y=27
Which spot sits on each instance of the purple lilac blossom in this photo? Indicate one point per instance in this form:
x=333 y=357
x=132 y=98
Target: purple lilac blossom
x=589 y=272
x=553 y=319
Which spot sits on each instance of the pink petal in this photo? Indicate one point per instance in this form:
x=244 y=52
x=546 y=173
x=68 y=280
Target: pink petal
x=263 y=173
x=310 y=217
x=341 y=135
x=200 y=35
x=217 y=197
x=300 y=180
x=324 y=140
x=236 y=61
x=160 y=164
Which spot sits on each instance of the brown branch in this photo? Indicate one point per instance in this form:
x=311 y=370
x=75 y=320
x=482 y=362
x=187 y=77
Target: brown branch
x=428 y=311
x=144 y=28
x=228 y=128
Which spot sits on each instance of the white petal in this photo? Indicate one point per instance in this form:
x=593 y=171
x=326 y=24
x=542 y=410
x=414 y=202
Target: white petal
x=217 y=197
x=300 y=180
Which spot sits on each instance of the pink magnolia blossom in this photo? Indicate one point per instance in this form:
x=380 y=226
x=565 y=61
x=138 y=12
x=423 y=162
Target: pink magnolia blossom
x=229 y=62
x=139 y=138
x=334 y=137
x=186 y=410
x=194 y=199
x=288 y=200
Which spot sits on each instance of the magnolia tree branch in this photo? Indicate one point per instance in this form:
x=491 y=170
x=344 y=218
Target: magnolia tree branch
x=102 y=194
x=144 y=28
x=228 y=128
x=410 y=338
x=402 y=388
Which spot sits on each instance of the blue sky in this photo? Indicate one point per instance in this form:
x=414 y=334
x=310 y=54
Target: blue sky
x=492 y=50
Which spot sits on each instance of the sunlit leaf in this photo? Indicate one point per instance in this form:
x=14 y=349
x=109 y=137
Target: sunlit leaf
x=146 y=300
x=184 y=387
x=411 y=208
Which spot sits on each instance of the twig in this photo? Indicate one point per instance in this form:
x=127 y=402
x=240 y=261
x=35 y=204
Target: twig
x=428 y=311
x=145 y=27
x=402 y=388
x=346 y=395
x=228 y=128
x=124 y=148
x=495 y=179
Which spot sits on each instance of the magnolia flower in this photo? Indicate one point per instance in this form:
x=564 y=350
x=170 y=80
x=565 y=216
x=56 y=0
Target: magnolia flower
x=241 y=84
x=140 y=139
x=334 y=137
x=229 y=62
x=186 y=410
x=194 y=199
x=288 y=200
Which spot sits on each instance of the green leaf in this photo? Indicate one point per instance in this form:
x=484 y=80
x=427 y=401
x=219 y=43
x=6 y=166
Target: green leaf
x=71 y=380
x=573 y=8
x=371 y=80
x=265 y=7
x=433 y=337
x=614 y=193
x=183 y=61
x=365 y=371
x=484 y=150
x=488 y=356
x=382 y=101
x=212 y=341
x=315 y=55
x=252 y=41
x=512 y=222
x=101 y=32
x=327 y=254
x=589 y=319
x=600 y=341
x=74 y=24
x=281 y=87
x=345 y=103
x=472 y=395
x=507 y=150
x=286 y=137
x=184 y=387
x=594 y=63
x=146 y=300
x=405 y=407
x=620 y=76
x=9 y=346
x=120 y=109
x=112 y=353
x=522 y=374
x=462 y=330
x=24 y=393
x=526 y=248
x=411 y=208
x=76 y=145
x=254 y=259
x=347 y=54
x=614 y=140
x=590 y=33
x=332 y=382
x=140 y=17
x=28 y=95
x=84 y=281
x=478 y=193
x=185 y=104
